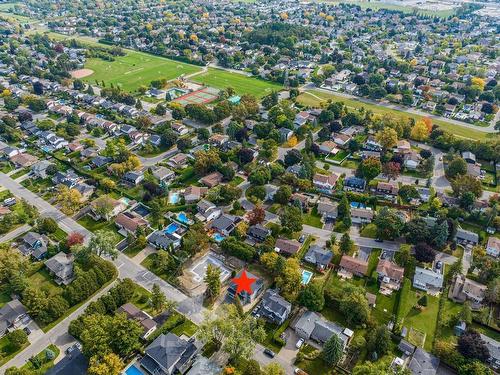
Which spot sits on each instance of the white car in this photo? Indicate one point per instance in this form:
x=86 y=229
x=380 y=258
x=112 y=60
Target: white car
x=299 y=343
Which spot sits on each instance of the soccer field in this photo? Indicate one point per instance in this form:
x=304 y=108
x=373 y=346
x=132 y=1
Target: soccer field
x=136 y=69
x=242 y=84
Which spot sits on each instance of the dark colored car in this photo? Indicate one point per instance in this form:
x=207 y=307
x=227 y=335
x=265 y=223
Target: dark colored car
x=269 y=353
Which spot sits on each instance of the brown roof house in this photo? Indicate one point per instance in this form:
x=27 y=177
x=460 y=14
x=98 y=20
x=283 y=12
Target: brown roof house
x=387 y=188
x=350 y=266
x=178 y=161
x=325 y=183
x=287 y=247
x=143 y=318
x=390 y=276
x=129 y=223
x=361 y=215
x=464 y=289
x=213 y=179
x=23 y=160
x=194 y=193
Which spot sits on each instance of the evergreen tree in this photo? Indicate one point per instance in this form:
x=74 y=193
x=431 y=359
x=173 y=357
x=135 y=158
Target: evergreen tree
x=158 y=298
x=332 y=351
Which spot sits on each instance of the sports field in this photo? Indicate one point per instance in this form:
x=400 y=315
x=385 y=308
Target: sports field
x=241 y=83
x=136 y=69
x=313 y=98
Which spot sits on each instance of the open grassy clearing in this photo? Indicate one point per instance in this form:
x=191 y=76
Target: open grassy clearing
x=136 y=69
x=376 y=5
x=310 y=98
x=242 y=84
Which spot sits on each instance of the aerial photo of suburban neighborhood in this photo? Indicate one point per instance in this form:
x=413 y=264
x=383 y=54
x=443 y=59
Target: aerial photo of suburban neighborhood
x=249 y=187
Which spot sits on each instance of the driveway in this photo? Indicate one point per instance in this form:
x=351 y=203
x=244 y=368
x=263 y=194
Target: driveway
x=264 y=360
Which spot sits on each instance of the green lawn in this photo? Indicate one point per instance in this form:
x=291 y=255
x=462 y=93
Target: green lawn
x=425 y=320
x=42 y=280
x=7 y=351
x=315 y=366
x=20 y=173
x=4 y=297
x=313 y=218
x=42 y=359
x=136 y=69
x=141 y=299
x=149 y=264
x=369 y=230
x=242 y=84
x=187 y=328
x=373 y=261
x=93 y=225
x=310 y=98
x=236 y=181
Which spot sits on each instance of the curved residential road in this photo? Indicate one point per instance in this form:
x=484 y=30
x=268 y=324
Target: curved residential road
x=486 y=129
x=191 y=307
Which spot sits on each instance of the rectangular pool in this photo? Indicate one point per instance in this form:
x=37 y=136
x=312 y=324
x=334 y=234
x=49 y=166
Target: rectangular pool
x=132 y=370
x=172 y=228
x=306 y=277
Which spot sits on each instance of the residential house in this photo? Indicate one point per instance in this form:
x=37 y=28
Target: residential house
x=218 y=140
x=412 y=160
x=406 y=348
x=494 y=351
x=325 y=183
x=390 y=276
x=39 y=170
x=423 y=362
x=387 y=188
x=13 y=315
x=270 y=191
x=23 y=160
x=207 y=211
x=285 y=134
x=258 y=232
x=287 y=247
x=225 y=224
x=361 y=215
x=213 y=179
x=427 y=280
x=73 y=363
x=469 y=157
x=273 y=307
x=312 y=326
x=466 y=237
x=318 y=256
x=341 y=140
x=9 y=152
x=301 y=200
x=256 y=288
x=85 y=190
x=357 y=184
x=129 y=223
x=133 y=178
x=100 y=161
x=178 y=161
x=163 y=174
x=116 y=206
x=61 y=267
x=180 y=129
x=144 y=319
x=68 y=178
x=194 y=193
x=474 y=170
x=464 y=289
x=327 y=209
x=350 y=266
x=328 y=147
x=163 y=240
x=493 y=247
x=34 y=244
x=168 y=354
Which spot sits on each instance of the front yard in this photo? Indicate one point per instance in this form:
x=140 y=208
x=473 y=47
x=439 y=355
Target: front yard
x=312 y=218
x=93 y=226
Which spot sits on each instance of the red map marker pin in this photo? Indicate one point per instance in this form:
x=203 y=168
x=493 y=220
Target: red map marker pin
x=243 y=283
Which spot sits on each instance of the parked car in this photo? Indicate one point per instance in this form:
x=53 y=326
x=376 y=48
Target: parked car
x=269 y=353
x=27 y=330
x=299 y=343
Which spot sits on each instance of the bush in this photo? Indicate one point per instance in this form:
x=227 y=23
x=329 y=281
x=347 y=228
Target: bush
x=17 y=338
x=423 y=300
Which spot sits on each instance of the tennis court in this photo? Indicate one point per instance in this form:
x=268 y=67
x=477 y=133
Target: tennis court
x=203 y=96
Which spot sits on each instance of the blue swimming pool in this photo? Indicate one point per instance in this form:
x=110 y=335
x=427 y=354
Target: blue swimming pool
x=218 y=237
x=306 y=276
x=182 y=217
x=172 y=228
x=173 y=198
x=132 y=370
x=357 y=205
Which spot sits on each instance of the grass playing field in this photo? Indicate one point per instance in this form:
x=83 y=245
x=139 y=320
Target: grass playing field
x=242 y=84
x=314 y=97
x=136 y=69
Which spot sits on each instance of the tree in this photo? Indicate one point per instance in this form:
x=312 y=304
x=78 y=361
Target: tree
x=457 y=167
x=312 y=297
x=424 y=253
x=344 y=208
x=17 y=338
x=283 y=194
x=196 y=239
x=439 y=234
x=378 y=340
x=420 y=131
x=391 y=170
x=256 y=216
x=103 y=206
x=35 y=301
x=102 y=244
x=291 y=219
x=493 y=292
x=289 y=280
x=381 y=367
x=387 y=138
x=234 y=334
x=68 y=199
x=273 y=368
x=472 y=346
x=206 y=161
x=474 y=368
x=212 y=279
x=389 y=223
x=260 y=176
x=332 y=350
x=292 y=157
x=353 y=305
x=465 y=314
x=158 y=298
x=346 y=245
x=47 y=225
x=465 y=184
x=109 y=364
x=370 y=168
x=74 y=238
